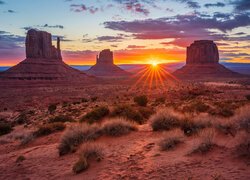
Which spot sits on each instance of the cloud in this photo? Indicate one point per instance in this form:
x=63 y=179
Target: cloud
x=2 y=2
x=180 y=26
x=11 y=11
x=135 y=6
x=10 y=41
x=43 y=26
x=218 y=4
x=83 y=8
x=110 y=38
x=190 y=3
x=241 y=5
x=135 y=47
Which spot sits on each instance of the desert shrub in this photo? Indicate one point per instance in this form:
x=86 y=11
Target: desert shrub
x=225 y=112
x=22 y=118
x=141 y=100
x=61 y=118
x=171 y=140
x=20 y=159
x=243 y=118
x=52 y=108
x=193 y=126
x=206 y=142
x=84 y=100
x=96 y=114
x=146 y=112
x=248 y=97
x=164 y=120
x=118 y=127
x=226 y=127
x=93 y=99
x=127 y=112
x=198 y=106
x=47 y=129
x=88 y=152
x=242 y=150
x=27 y=138
x=160 y=100
x=5 y=128
x=76 y=135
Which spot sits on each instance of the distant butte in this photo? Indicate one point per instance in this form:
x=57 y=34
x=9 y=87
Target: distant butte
x=43 y=61
x=105 y=66
x=202 y=61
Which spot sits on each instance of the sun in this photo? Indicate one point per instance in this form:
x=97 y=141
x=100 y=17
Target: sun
x=154 y=64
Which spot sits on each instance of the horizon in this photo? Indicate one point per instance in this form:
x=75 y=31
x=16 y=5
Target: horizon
x=139 y=32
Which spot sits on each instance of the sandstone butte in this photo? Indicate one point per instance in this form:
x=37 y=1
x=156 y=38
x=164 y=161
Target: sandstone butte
x=105 y=66
x=202 y=61
x=43 y=61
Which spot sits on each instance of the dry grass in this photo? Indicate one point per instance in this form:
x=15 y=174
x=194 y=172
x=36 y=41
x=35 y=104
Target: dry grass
x=127 y=112
x=47 y=129
x=206 y=142
x=88 y=152
x=61 y=118
x=95 y=115
x=5 y=128
x=226 y=126
x=76 y=135
x=242 y=118
x=242 y=150
x=171 y=140
x=141 y=100
x=164 y=120
x=118 y=127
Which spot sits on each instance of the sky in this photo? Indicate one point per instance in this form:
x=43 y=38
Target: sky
x=138 y=31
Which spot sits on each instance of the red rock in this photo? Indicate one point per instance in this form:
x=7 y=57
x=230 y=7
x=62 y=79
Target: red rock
x=202 y=52
x=203 y=62
x=105 y=66
x=43 y=62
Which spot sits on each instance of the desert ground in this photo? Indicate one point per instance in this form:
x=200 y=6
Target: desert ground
x=123 y=129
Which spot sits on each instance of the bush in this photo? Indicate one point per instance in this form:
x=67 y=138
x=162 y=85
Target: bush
x=248 y=97
x=93 y=99
x=243 y=118
x=191 y=127
x=5 y=128
x=226 y=127
x=146 y=112
x=96 y=114
x=118 y=127
x=22 y=118
x=76 y=135
x=52 y=108
x=127 y=112
x=88 y=151
x=206 y=143
x=242 y=150
x=164 y=120
x=61 y=118
x=20 y=159
x=170 y=141
x=49 y=129
x=141 y=100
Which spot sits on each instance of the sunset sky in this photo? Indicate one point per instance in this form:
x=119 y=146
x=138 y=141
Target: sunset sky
x=138 y=31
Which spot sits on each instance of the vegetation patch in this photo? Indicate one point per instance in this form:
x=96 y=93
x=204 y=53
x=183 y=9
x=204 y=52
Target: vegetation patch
x=206 y=143
x=171 y=141
x=164 y=120
x=88 y=152
x=47 y=129
x=76 y=135
x=118 y=127
x=127 y=112
x=5 y=127
x=61 y=118
x=141 y=100
x=96 y=114
x=52 y=108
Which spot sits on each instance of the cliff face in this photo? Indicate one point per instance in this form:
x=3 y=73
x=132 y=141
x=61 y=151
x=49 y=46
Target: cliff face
x=105 y=66
x=203 y=62
x=39 y=45
x=202 y=52
x=105 y=57
x=43 y=61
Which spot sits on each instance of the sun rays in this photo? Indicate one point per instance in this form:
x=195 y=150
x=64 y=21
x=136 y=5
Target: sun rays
x=153 y=76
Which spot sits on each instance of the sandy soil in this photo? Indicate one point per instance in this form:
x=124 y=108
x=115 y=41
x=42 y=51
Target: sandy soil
x=133 y=156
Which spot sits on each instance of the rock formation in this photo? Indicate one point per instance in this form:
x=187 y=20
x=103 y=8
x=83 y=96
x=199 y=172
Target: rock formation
x=202 y=61
x=105 y=66
x=43 y=61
